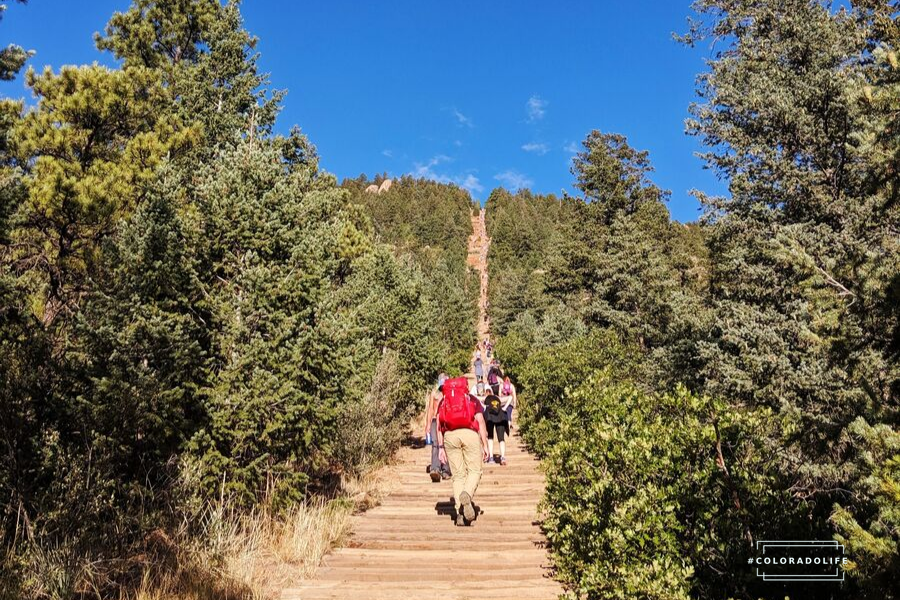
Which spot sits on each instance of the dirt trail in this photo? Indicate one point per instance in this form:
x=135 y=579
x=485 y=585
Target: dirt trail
x=409 y=548
x=479 y=244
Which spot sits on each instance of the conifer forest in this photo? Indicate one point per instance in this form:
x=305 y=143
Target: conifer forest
x=212 y=348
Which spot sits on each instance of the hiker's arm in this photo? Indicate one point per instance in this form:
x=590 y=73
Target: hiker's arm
x=429 y=412
x=482 y=432
x=507 y=400
x=442 y=456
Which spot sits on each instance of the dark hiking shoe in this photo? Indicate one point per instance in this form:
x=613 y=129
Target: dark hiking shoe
x=465 y=503
x=435 y=476
x=445 y=475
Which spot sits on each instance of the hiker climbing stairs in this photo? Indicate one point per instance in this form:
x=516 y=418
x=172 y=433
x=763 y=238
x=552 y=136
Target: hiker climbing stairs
x=409 y=547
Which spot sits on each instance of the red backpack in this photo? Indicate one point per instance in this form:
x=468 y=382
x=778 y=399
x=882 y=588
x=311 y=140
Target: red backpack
x=457 y=411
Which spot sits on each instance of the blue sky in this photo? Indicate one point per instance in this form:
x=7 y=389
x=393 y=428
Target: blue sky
x=480 y=93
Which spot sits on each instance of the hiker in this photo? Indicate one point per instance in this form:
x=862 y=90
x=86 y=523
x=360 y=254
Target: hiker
x=438 y=469
x=479 y=367
x=462 y=440
x=494 y=376
x=508 y=398
x=495 y=418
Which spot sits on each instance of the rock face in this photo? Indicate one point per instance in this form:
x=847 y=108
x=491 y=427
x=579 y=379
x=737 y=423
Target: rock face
x=375 y=189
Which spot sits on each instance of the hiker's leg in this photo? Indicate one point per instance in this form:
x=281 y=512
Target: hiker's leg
x=435 y=451
x=490 y=437
x=501 y=437
x=454 y=448
x=472 y=457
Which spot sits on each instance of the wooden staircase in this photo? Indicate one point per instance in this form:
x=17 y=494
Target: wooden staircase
x=409 y=548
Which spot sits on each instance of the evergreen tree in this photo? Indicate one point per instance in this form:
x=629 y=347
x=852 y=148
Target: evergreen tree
x=89 y=149
x=804 y=245
x=613 y=175
x=207 y=60
x=13 y=57
x=272 y=245
x=140 y=358
x=628 y=266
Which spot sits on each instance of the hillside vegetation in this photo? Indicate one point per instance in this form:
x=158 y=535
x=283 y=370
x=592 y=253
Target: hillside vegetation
x=428 y=223
x=695 y=388
x=203 y=337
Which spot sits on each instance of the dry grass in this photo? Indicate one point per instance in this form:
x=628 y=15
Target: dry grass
x=367 y=491
x=221 y=552
x=254 y=556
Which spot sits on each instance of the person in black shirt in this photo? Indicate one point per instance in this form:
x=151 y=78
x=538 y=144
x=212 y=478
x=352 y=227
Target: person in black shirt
x=496 y=420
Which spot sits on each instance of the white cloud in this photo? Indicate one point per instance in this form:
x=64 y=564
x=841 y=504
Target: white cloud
x=572 y=147
x=388 y=152
x=513 y=180
x=535 y=147
x=426 y=171
x=463 y=119
x=471 y=183
x=536 y=107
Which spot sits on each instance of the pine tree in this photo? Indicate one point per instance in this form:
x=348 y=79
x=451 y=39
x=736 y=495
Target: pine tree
x=207 y=60
x=804 y=251
x=613 y=175
x=13 y=57
x=270 y=250
x=141 y=355
x=90 y=149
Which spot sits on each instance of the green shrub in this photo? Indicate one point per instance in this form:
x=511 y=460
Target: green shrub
x=548 y=373
x=370 y=427
x=657 y=495
x=613 y=491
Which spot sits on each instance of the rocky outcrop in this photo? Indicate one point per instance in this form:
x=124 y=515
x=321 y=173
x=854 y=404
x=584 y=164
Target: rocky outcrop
x=378 y=189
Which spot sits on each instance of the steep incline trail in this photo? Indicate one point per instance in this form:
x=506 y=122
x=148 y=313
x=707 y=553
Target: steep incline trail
x=409 y=548
x=479 y=244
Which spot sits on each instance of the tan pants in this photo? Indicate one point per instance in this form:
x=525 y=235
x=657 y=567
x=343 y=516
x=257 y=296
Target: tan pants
x=464 y=453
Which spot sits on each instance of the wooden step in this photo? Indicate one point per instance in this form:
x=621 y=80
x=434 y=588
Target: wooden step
x=449 y=590
x=424 y=572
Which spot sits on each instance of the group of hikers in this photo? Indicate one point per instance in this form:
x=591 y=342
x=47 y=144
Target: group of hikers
x=462 y=422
